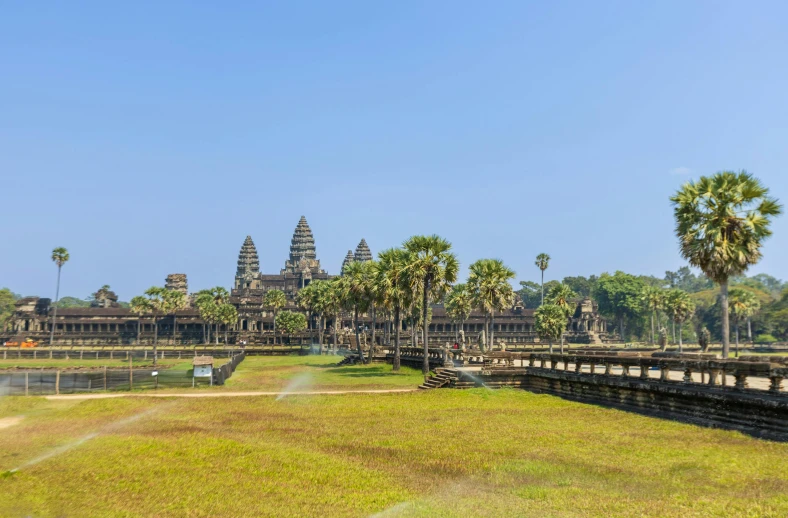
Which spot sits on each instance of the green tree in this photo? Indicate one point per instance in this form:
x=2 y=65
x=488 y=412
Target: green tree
x=681 y=308
x=721 y=223
x=157 y=305
x=60 y=257
x=392 y=276
x=531 y=292
x=227 y=315
x=653 y=299
x=459 y=304
x=204 y=300
x=331 y=304
x=356 y=293
x=488 y=284
x=175 y=301
x=542 y=262
x=433 y=268
x=291 y=322
x=562 y=296
x=7 y=305
x=550 y=323
x=139 y=306
x=743 y=305
x=618 y=296
x=276 y=300
x=306 y=299
x=584 y=287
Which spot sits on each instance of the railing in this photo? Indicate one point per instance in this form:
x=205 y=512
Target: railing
x=763 y=373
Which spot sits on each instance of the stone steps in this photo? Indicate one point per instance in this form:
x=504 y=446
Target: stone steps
x=442 y=377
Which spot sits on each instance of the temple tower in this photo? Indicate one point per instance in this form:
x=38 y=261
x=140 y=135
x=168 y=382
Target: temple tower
x=177 y=282
x=362 y=252
x=348 y=259
x=302 y=250
x=248 y=264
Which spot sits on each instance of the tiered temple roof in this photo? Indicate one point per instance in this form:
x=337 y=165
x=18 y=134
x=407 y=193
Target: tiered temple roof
x=248 y=262
x=348 y=259
x=302 y=246
x=362 y=252
x=177 y=282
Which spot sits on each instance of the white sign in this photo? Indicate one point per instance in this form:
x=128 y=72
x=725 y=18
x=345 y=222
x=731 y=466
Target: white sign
x=203 y=371
x=154 y=373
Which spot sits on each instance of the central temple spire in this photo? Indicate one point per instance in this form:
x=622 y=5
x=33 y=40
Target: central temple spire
x=302 y=246
x=248 y=262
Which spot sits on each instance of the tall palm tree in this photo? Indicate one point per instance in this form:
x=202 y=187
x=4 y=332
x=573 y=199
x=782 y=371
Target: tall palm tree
x=306 y=299
x=139 y=305
x=227 y=315
x=275 y=299
x=60 y=257
x=490 y=290
x=681 y=307
x=158 y=306
x=205 y=304
x=550 y=323
x=743 y=304
x=653 y=300
x=175 y=301
x=331 y=303
x=220 y=296
x=542 y=262
x=721 y=223
x=392 y=270
x=434 y=269
x=562 y=295
x=356 y=290
x=459 y=304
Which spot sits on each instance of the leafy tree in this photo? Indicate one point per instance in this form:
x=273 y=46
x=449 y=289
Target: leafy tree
x=542 y=262
x=433 y=268
x=392 y=275
x=140 y=306
x=59 y=257
x=550 y=323
x=618 y=296
x=530 y=292
x=584 y=287
x=174 y=301
x=228 y=315
x=356 y=293
x=490 y=290
x=157 y=305
x=276 y=300
x=562 y=296
x=721 y=223
x=291 y=322
x=459 y=304
x=7 y=305
x=685 y=279
x=204 y=301
x=306 y=299
x=743 y=305
x=330 y=296
x=681 y=308
x=653 y=300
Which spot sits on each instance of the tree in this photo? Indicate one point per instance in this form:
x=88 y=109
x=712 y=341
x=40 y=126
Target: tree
x=550 y=323
x=433 y=268
x=7 y=305
x=331 y=304
x=306 y=299
x=204 y=300
x=227 y=315
x=60 y=257
x=174 y=301
x=276 y=300
x=653 y=300
x=140 y=306
x=562 y=296
x=392 y=276
x=459 y=304
x=542 y=262
x=584 y=287
x=618 y=296
x=157 y=305
x=531 y=292
x=356 y=293
x=291 y=322
x=488 y=284
x=721 y=223
x=743 y=305
x=681 y=308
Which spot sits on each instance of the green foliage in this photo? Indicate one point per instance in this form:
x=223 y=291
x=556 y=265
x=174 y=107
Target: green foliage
x=531 y=292
x=765 y=339
x=459 y=303
x=562 y=296
x=275 y=299
x=542 y=261
x=684 y=279
x=489 y=286
x=60 y=256
x=619 y=296
x=228 y=315
x=550 y=322
x=291 y=322
x=7 y=305
x=584 y=287
x=72 y=302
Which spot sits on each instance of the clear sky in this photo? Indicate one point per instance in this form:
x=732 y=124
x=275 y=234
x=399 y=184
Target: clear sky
x=151 y=137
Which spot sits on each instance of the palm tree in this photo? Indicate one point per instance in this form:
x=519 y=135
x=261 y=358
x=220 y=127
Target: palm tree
x=275 y=299
x=356 y=293
x=542 y=262
x=562 y=295
x=550 y=322
x=227 y=315
x=459 y=304
x=681 y=308
x=205 y=304
x=392 y=277
x=60 y=257
x=139 y=305
x=174 y=302
x=721 y=223
x=330 y=296
x=220 y=296
x=434 y=269
x=158 y=305
x=306 y=299
x=490 y=290
x=743 y=304
x=653 y=299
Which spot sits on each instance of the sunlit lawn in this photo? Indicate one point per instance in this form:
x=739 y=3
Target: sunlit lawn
x=431 y=453
x=76 y=363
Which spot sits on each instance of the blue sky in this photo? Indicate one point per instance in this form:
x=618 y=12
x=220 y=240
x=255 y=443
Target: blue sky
x=151 y=137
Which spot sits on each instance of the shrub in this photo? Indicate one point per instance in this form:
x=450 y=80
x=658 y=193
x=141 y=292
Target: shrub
x=765 y=339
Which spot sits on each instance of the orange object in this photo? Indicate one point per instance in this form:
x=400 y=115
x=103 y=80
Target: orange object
x=26 y=344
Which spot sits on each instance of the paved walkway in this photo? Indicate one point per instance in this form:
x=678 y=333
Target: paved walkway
x=228 y=394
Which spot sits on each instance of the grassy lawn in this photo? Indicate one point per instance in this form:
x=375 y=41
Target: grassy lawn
x=304 y=373
x=432 y=453
x=76 y=363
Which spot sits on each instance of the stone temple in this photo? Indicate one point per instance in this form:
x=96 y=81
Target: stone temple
x=106 y=323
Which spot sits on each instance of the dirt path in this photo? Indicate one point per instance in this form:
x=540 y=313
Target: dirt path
x=226 y=394
x=7 y=422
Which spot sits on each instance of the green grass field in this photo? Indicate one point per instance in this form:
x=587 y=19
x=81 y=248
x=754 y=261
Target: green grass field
x=76 y=363
x=430 y=453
